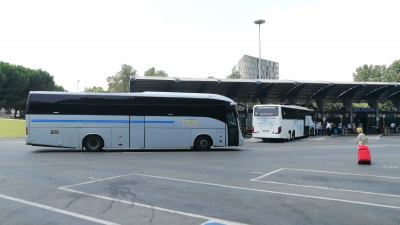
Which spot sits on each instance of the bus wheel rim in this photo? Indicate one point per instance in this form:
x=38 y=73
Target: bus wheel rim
x=93 y=144
x=204 y=143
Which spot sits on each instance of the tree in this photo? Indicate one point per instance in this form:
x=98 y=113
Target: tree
x=94 y=89
x=370 y=73
x=16 y=82
x=152 y=72
x=120 y=81
x=381 y=74
x=393 y=72
x=234 y=75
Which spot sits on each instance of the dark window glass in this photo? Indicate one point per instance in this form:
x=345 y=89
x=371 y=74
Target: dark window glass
x=39 y=103
x=289 y=113
x=266 y=111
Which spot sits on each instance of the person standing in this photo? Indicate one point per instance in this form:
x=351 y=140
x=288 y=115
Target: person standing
x=328 y=128
x=319 y=128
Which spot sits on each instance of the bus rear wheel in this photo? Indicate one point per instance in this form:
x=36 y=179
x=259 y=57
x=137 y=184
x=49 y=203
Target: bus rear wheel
x=93 y=143
x=203 y=143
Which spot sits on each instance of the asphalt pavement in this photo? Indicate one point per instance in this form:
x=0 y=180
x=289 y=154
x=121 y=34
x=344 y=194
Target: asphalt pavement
x=308 y=181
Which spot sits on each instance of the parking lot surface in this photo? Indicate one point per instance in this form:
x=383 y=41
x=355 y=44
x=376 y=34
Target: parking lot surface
x=308 y=181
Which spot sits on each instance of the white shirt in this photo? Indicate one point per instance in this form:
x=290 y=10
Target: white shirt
x=328 y=125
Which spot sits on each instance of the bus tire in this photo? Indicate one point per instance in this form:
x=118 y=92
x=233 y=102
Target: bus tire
x=93 y=143
x=203 y=143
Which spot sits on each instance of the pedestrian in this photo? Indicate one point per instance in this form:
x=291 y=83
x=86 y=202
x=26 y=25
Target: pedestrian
x=319 y=128
x=361 y=138
x=328 y=128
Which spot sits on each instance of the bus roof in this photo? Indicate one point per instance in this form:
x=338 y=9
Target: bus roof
x=288 y=106
x=144 y=94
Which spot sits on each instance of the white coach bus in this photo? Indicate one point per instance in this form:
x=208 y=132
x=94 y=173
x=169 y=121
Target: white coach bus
x=281 y=122
x=147 y=120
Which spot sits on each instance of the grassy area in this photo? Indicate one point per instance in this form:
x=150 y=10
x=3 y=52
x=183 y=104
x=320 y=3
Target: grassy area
x=12 y=128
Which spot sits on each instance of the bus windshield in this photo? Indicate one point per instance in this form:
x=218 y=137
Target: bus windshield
x=266 y=111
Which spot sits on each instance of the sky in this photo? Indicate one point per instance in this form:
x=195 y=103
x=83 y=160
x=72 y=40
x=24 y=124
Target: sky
x=88 y=40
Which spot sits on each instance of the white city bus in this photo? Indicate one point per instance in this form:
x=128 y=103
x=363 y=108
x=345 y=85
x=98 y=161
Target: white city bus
x=147 y=120
x=281 y=122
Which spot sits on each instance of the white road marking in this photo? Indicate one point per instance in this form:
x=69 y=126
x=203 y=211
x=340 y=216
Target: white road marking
x=226 y=186
x=267 y=174
x=49 y=208
x=213 y=222
x=328 y=188
x=318 y=139
x=390 y=167
x=207 y=218
x=341 y=173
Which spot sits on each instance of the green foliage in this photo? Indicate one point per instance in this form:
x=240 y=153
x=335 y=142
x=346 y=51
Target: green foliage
x=234 y=75
x=330 y=106
x=152 y=72
x=120 y=81
x=94 y=89
x=379 y=73
x=16 y=82
x=370 y=73
x=387 y=106
x=360 y=105
x=393 y=72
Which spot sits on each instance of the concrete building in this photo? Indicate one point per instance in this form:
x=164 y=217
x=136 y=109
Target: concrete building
x=247 y=67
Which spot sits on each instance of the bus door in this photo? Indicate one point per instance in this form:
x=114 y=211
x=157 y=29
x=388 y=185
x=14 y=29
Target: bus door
x=136 y=131
x=233 y=129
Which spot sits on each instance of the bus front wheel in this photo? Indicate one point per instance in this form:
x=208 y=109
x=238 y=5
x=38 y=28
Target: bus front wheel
x=93 y=143
x=203 y=143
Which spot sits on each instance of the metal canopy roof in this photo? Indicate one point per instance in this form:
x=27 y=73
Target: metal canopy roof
x=273 y=91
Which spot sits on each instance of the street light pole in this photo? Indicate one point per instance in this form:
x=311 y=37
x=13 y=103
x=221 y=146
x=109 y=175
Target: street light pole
x=259 y=22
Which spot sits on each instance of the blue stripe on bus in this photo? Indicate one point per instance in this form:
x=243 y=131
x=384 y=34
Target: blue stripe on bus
x=160 y=121
x=102 y=121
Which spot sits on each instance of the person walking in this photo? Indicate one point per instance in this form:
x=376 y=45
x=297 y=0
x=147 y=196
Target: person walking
x=361 y=138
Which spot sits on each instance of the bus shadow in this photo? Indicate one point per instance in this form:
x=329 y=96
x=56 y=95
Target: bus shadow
x=63 y=150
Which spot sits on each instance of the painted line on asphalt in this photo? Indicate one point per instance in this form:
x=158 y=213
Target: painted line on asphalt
x=231 y=187
x=390 y=167
x=207 y=218
x=329 y=188
x=49 y=208
x=343 y=173
x=210 y=222
x=267 y=174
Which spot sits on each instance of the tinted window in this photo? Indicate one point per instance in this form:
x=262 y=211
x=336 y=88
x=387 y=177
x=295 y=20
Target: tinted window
x=289 y=113
x=125 y=105
x=266 y=111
